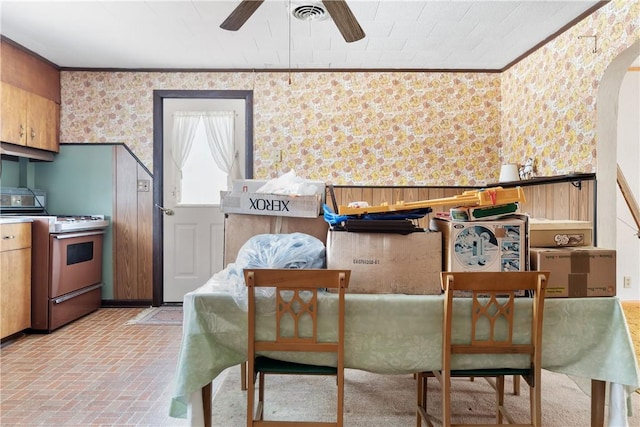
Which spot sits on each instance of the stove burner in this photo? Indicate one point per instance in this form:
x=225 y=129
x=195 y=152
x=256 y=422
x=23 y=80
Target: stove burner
x=75 y=218
x=67 y=223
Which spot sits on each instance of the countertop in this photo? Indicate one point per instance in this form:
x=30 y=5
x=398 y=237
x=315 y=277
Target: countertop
x=14 y=219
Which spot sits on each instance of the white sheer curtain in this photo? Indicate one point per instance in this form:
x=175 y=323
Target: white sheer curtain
x=220 y=126
x=185 y=124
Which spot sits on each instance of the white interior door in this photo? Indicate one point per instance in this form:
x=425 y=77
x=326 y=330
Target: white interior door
x=193 y=224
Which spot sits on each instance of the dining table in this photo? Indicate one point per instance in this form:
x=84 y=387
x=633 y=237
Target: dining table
x=585 y=338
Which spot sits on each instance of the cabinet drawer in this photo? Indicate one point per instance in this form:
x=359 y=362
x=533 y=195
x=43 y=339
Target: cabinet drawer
x=15 y=236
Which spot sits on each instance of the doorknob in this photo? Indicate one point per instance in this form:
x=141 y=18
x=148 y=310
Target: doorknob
x=165 y=210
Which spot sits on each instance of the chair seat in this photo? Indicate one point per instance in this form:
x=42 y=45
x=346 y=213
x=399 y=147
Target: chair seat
x=489 y=372
x=273 y=366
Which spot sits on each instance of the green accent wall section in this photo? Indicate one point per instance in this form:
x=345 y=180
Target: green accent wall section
x=12 y=170
x=10 y=174
x=80 y=181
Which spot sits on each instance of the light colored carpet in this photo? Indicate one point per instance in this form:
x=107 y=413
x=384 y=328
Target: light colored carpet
x=373 y=400
x=632 y=314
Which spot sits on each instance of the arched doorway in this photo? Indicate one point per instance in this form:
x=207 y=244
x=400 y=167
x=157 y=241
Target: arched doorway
x=607 y=146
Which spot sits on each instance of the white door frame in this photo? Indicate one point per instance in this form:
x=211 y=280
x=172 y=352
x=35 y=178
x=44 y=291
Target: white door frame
x=158 y=149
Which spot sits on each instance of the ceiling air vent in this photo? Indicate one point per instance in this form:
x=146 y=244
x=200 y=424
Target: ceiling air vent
x=310 y=12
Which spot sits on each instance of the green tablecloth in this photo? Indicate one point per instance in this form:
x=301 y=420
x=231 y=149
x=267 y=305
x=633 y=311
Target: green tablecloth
x=399 y=334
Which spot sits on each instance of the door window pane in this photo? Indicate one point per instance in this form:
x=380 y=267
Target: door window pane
x=202 y=180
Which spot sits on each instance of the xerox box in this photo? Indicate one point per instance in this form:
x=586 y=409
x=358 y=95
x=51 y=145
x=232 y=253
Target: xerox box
x=270 y=204
x=577 y=272
x=496 y=245
x=387 y=263
x=240 y=228
x=253 y=185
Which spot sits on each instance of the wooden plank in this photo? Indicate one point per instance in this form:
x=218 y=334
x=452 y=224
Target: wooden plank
x=125 y=227
x=588 y=202
x=539 y=202
x=576 y=193
x=382 y=195
x=410 y=194
x=144 y=226
x=628 y=197
x=367 y=194
x=558 y=199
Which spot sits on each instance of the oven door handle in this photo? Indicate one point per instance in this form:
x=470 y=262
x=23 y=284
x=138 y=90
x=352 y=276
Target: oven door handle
x=72 y=235
x=76 y=293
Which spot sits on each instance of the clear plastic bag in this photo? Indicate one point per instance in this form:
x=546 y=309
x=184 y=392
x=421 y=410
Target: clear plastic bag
x=289 y=184
x=294 y=250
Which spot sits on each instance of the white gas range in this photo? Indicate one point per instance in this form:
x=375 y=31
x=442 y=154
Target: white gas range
x=25 y=202
x=66 y=273
x=71 y=223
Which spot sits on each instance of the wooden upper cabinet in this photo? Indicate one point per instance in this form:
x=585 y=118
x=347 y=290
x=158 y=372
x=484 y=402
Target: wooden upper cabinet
x=14 y=107
x=43 y=123
x=30 y=108
x=29 y=119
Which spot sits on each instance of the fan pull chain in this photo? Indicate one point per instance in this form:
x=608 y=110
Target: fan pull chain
x=289 y=14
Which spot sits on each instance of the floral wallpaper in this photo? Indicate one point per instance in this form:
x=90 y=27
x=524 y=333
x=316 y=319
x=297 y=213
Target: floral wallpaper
x=347 y=128
x=549 y=98
x=389 y=128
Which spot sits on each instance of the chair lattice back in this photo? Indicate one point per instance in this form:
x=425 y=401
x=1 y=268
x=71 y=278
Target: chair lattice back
x=495 y=311
x=296 y=293
x=294 y=306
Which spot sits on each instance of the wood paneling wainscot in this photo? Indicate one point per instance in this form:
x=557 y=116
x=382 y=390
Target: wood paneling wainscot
x=132 y=244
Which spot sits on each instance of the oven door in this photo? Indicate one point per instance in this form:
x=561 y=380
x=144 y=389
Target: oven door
x=76 y=261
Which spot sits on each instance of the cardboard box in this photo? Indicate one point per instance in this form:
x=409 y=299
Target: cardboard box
x=559 y=233
x=577 y=272
x=270 y=204
x=496 y=245
x=386 y=262
x=240 y=228
x=253 y=185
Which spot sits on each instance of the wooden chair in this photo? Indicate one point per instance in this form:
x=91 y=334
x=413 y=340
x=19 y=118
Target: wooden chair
x=296 y=298
x=493 y=306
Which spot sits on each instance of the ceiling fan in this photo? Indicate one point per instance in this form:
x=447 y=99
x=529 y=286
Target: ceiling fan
x=337 y=9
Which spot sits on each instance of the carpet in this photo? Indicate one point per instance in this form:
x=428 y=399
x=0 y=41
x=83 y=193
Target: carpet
x=389 y=400
x=166 y=315
x=632 y=314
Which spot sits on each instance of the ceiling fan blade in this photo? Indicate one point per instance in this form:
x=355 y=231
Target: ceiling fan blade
x=344 y=19
x=240 y=14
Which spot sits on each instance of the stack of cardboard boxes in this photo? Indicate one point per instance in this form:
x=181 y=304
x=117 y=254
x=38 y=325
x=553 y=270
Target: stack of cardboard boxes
x=517 y=243
x=387 y=262
x=577 y=268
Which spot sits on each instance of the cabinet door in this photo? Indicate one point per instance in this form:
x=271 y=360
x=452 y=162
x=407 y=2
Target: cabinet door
x=43 y=123
x=15 y=294
x=14 y=115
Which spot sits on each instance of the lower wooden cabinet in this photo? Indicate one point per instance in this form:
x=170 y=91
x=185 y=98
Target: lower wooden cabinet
x=15 y=278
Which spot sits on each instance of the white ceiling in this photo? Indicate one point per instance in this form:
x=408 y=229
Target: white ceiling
x=186 y=34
